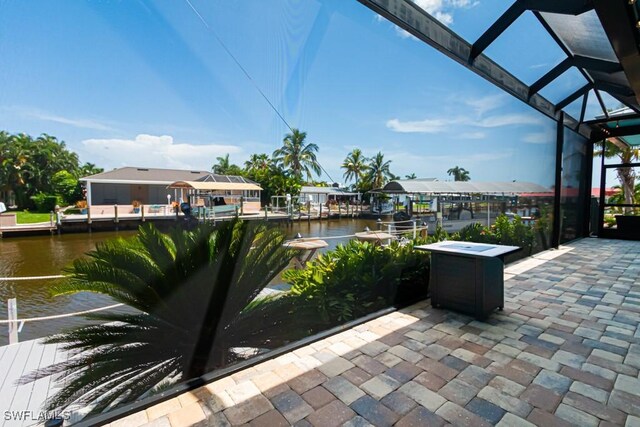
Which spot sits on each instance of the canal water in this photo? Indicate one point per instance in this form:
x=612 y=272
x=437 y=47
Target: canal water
x=49 y=255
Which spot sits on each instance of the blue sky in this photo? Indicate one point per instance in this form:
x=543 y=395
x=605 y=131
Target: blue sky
x=136 y=83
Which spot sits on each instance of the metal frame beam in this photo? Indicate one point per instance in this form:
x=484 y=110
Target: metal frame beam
x=596 y=64
x=623 y=130
x=498 y=27
x=417 y=22
x=615 y=19
x=578 y=61
x=568 y=7
x=564 y=7
x=583 y=109
x=553 y=74
x=621 y=117
x=557 y=189
x=575 y=95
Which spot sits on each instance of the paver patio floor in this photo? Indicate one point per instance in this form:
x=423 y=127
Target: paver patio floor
x=565 y=351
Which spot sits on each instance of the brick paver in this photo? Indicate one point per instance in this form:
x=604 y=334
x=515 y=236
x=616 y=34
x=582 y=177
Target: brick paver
x=565 y=350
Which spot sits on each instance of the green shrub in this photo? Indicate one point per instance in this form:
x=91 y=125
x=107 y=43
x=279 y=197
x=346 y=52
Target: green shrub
x=67 y=186
x=477 y=233
x=503 y=232
x=359 y=278
x=45 y=202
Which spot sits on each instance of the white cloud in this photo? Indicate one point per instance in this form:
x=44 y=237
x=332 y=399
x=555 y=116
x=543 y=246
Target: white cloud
x=473 y=135
x=542 y=65
x=444 y=124
x=76 y=122
x=507 y=120
x=486 y=103
x=538 y=138
x=421 y=126
x=155 y=151
x=442 y=10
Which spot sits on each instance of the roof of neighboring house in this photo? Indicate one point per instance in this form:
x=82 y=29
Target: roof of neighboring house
x=325 y=190
x=146 y=175
x=412 y=186
x=215 y=185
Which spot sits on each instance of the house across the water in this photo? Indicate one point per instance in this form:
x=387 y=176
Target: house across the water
x=153 y=186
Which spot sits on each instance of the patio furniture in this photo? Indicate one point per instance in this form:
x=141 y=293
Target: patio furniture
x=628 y=227
x=308 y=250
x=467 y=277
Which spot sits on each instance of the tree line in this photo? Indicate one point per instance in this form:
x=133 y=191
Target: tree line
x=35 y=168
x=295 y=163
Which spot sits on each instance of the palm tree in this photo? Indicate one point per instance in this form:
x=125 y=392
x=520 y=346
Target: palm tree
x=190 y=299
x=89 y=169
x=379 y=172
x=298 y=155
x=459 y=174
x=257 y=162
x=223 y=165
x=354 y=165
x=626 y=175
x=412 y=176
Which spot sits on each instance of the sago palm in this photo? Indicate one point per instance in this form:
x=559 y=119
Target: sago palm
x=190 y=298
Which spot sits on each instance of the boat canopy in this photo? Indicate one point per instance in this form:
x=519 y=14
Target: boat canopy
x=415 y=186
x=333 y=191
x=212 y=185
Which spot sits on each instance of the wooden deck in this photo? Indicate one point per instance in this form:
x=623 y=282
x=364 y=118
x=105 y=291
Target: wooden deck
x=22 y=404
x=41 y=227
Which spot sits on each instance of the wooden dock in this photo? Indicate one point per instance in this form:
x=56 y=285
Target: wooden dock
x=44 y=227
x=23 y=404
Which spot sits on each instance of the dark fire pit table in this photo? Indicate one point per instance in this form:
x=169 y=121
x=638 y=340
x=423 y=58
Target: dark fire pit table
x=467 y=277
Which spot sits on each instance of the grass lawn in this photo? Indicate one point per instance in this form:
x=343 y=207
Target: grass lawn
x=25 y=217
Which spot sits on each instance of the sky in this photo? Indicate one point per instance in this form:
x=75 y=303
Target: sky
x=177 y=83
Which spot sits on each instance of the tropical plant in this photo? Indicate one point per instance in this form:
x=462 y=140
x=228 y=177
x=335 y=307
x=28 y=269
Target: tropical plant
x=505 y=231
x=298 y=155
x=378 y=172
x=355 y=166
x=67 y=186
x=626 y=174
x=411 y=176
x=257 y=162
x=274 y=182
x=225 y=167
x=27 y=165
x=358 y=278
x=89 y=169
x=190 y=299
x=459 y=174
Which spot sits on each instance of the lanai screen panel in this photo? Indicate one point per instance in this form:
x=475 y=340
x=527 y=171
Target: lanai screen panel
x=582 y=34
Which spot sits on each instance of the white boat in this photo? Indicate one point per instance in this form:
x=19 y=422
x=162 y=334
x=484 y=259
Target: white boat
x=382 y=208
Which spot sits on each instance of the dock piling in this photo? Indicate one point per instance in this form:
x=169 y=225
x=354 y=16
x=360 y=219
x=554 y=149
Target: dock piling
x=12 y=314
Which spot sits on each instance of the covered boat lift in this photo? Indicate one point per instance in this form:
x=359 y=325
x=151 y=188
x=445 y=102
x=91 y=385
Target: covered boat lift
x=455 y=204
x=220 y=194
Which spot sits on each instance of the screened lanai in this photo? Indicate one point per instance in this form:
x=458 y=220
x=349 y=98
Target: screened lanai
x=599 y=40
x=566 y=347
